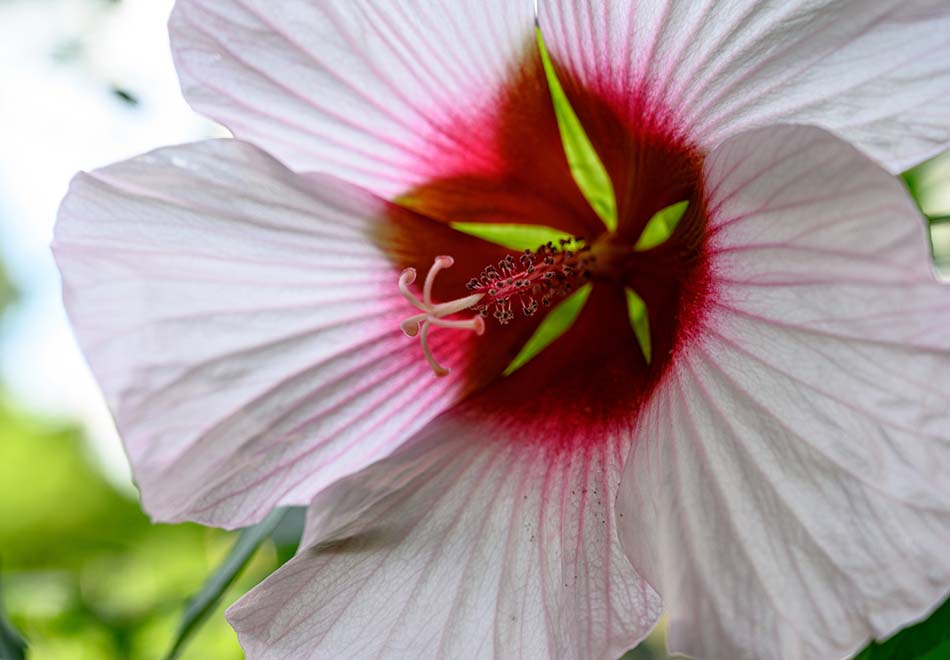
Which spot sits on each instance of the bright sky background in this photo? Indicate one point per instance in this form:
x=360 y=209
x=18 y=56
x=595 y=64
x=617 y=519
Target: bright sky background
x=59 y=60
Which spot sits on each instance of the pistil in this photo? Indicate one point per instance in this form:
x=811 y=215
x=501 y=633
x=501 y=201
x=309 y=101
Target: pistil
x=536 y=278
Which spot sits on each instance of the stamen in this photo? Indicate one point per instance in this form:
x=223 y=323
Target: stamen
x=550 y=272
x=433 y=314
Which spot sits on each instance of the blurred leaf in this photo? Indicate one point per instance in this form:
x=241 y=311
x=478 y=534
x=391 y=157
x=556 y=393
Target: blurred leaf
x=12 y=644
x=653 y=647
x=8 y=292
x=286 y=536
x=642 y=652
x=206 y=600
x=52 y=496
x=940 y=243
x=512 y=236
x=929 y=183
x=927 y=640
x=86 y=575
x=586 y=167
x=555 y=323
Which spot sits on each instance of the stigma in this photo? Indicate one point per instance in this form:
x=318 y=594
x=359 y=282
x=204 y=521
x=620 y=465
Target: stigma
x=432 y=314
x=535 y=279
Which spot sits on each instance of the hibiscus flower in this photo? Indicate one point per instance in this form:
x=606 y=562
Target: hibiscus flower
x=767 y=464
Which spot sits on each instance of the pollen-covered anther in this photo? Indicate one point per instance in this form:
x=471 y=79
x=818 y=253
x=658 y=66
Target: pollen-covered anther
x=434 y=314
x=548 y=273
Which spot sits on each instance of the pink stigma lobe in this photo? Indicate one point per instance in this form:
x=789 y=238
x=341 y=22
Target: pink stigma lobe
x=434 y=314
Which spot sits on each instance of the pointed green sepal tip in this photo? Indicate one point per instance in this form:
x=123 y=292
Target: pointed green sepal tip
x=661 y=226
x=640 y=322
x=586 y=167
x=512 y=236
x=555 y=323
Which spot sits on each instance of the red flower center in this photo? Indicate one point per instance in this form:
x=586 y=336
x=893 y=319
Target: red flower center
x=596 y=371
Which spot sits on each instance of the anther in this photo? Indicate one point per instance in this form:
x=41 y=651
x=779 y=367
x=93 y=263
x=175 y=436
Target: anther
x=547 y=273
x=432 y=314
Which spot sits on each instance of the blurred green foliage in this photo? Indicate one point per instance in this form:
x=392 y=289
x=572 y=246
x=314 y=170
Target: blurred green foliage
x=928 y=640
x=929 y=184
x=203 y=604
x=85 y=574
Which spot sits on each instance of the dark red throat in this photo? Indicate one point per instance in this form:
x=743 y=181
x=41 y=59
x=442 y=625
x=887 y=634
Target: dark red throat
x=595 y=371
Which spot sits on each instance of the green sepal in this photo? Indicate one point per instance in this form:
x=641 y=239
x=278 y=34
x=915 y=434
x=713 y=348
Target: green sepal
x=640 y=322
x=586 y=167
x=556 y=322
x=661 y=226
x=512 y=236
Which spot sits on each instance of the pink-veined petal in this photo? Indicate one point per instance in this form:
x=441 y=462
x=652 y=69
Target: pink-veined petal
x=244 y=325
x=476 y=540
x=876 y=73
x=387 y=94
x=788 y=495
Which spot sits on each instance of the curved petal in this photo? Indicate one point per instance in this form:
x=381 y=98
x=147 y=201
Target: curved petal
x=474 y=541
x=244 y=325
x=389 y=95
x=878 y=74
x=788 y=495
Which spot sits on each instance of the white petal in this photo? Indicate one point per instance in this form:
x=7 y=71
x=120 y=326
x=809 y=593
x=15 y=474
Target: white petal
x=243 y=323
x=383 y=93
x=876 y=73
x=475 y=541
x=788 y=497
